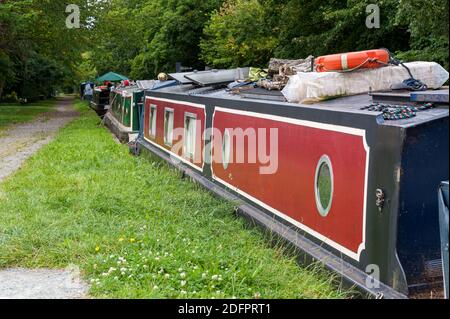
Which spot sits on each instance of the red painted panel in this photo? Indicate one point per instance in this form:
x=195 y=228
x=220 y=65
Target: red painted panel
x=291 y=189
x=179 y=112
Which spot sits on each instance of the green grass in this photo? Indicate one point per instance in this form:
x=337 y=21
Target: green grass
x=15 y=113
x=136 y=229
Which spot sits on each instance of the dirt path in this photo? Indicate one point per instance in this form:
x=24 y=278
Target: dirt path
x=41 y=284
x=17 y=144
x=21 y=141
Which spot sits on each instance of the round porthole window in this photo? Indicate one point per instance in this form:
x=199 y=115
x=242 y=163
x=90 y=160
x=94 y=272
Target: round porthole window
x=323 y=185
x=226 y=145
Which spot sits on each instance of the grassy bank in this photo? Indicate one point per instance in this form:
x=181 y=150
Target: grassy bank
x=15 y=113
x=136 y=229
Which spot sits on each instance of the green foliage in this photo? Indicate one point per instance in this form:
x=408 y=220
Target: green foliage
x=429 y=28
x=140 y=38
x=241 y=33
x=37 y=51
x=248 y=32
x=324 y=27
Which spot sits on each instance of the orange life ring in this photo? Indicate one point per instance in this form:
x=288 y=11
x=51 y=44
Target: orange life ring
x=345 y=62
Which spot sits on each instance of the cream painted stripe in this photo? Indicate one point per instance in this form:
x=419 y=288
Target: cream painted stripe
x=131 y=110
x=344 y=61
x=201 y=106
x=322 y=126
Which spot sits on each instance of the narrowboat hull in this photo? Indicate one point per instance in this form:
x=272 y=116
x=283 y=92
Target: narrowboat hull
x=382 y=221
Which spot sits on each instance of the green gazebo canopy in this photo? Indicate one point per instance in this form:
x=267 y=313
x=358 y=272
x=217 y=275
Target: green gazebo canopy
x=111 y=77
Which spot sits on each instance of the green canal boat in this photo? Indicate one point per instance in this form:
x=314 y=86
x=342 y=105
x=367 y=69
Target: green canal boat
x=123 y=117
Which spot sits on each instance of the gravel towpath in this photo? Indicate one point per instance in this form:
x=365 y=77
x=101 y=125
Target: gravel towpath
x=21 y=141
x=17 y=144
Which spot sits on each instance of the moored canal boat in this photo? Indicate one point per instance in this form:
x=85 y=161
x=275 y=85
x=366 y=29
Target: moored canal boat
x=123 y=118
x=348 y=186
x=100 y=100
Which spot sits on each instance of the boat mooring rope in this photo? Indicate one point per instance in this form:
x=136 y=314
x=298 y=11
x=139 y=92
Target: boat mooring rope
x=392 y=112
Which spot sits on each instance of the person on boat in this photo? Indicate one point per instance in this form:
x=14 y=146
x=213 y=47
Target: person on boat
x=88 y=92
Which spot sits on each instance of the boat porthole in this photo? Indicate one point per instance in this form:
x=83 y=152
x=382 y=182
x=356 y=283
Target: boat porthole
x=226 y=145
x=324 y=185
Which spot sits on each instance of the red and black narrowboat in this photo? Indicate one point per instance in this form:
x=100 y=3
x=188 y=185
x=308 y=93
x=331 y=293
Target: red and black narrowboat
x=335 y=179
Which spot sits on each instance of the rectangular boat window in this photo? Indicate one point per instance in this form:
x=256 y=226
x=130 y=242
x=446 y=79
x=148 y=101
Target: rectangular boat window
x=168 y=127
x=152 y=128
x=190 y=128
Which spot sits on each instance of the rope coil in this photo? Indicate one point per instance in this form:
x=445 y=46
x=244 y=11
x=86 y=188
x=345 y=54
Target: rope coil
x=392 y=112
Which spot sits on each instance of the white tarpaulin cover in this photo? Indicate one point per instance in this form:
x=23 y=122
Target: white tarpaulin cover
x=314 y=86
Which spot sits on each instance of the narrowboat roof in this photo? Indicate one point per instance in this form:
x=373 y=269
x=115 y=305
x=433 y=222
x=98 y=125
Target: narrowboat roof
x=354 y=104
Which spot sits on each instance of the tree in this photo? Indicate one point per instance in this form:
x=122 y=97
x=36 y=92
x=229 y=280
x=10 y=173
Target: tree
x=37 y=51
x=173 y=30
x=143 y=38
x=241 y=33
x=325 y=27
x=428 y=27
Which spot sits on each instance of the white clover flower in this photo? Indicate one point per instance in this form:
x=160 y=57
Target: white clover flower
x=167 y=276
x=155 y=287
x=116 y=278
x=112 y=269
x=180 y=269
x=214 y=277
x=183 y=283
x=157 y=258
x=183 y=275
x=203 y=275
x=183 y=292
